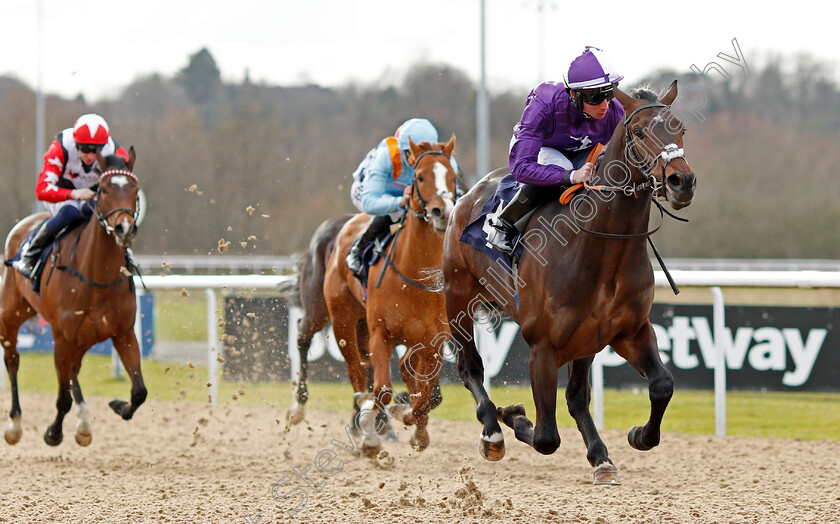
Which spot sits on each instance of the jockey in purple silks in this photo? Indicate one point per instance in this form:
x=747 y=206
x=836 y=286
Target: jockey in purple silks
x=559 y=127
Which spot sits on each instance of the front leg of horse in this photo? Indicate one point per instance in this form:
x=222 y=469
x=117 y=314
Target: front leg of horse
x=578 y=396
x=420 y=368
x=642 y=353
x=12 y=359
x=660 y=389
x=84 y=432
x=129 y=351
x=54 y=433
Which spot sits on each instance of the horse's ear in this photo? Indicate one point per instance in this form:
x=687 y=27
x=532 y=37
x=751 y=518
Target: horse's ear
x=100 y=161
x=625 y=99
x=132 y=156
x=671 y=95
x=415 y=151
x=450 y=146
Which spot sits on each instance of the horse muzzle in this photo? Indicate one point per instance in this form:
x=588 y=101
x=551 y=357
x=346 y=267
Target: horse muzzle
x=679 y=188
x=124 y=233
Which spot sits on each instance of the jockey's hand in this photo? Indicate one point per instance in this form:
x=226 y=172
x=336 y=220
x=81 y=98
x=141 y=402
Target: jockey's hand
x=82 y=194
x=583 y=174
x=406 y=197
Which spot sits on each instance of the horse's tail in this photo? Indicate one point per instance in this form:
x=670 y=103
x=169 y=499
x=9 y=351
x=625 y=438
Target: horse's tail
x=432 y=277
x=291 y=287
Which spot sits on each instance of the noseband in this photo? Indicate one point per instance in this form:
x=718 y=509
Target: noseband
x=97 y=210
x=415 y=189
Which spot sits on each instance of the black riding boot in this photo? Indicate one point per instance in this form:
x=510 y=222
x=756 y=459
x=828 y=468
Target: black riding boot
x=376 y=226
x=31 y=251
x=504 y=228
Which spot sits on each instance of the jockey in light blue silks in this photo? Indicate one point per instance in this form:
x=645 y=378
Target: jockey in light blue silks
x=560 y=125
x=382 y=182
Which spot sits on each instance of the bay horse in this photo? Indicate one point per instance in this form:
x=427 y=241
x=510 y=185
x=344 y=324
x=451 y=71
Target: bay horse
x=87 y=296
x=397 y=308
x=584 y=281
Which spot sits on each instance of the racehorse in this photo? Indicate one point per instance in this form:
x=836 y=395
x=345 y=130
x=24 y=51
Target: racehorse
x=584 y=280
x=397 y=307
x=87 y=296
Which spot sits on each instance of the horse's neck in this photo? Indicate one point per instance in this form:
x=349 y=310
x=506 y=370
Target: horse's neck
x=420 y=247
x=621 y=213
x=98 y=257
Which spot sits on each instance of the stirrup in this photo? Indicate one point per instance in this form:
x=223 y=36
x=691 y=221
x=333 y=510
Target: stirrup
x=501 y=236
x=353 y=260
x=24 y=267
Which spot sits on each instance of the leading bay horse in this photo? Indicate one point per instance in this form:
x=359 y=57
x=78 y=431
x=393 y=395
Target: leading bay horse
x=87 y=296
x=396 y=306
x=584 y=281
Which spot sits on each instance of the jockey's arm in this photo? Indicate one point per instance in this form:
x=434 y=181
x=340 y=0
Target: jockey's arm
x=381 y=195
x=47 y=189
x=529 y=135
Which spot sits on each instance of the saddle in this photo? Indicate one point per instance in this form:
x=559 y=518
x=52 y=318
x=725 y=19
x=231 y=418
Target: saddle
x=45 y=253
x=371 y=254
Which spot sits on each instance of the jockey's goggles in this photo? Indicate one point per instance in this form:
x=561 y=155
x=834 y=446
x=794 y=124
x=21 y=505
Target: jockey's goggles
x=597 y=95
x=89 y=148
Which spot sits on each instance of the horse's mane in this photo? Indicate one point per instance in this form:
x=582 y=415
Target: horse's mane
x=645 y=93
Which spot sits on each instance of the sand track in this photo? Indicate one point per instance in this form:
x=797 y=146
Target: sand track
x=189 y=462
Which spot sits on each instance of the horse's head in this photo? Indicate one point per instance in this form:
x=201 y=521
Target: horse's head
x=117 y=197
x=433 y=194
x=654 y=143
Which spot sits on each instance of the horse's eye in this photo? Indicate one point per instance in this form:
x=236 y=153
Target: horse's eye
x=638 y=132
x=683 y=131
x=420 y=178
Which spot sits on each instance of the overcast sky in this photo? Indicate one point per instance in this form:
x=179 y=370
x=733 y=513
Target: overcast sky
x=97 y=47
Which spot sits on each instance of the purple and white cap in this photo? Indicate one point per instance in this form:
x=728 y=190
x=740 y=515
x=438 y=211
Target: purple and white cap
x=591 y=69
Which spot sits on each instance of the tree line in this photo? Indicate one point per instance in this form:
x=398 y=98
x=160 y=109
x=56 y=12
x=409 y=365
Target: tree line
x=249 y=168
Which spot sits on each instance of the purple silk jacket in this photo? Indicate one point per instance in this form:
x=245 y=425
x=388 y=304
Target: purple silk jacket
x=550 y=119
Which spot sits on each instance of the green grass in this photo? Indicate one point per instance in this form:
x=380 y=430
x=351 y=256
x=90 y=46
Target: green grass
x=807 y=416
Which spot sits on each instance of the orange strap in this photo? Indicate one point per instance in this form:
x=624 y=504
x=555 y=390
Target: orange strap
x=394 y=150
x=566 y=197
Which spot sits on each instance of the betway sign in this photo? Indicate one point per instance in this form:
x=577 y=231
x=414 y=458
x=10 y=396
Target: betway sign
x=774 y=348
x=765 y=348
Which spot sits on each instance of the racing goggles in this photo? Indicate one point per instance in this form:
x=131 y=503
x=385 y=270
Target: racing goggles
x=596 y=95
x=89 y=148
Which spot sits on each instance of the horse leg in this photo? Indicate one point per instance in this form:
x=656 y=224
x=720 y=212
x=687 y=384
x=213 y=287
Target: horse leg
x=383 y=417
x=129 y=352
x=13 y=313
x=642 y=353
x=380 y=357
x=420 y=368
x=578 y=397
x=545 y=437
x=471 y=370
x=83 y=428
x=308 y=327
x=64 y=368
x=345 y=330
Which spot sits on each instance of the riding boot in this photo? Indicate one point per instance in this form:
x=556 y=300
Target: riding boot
x=32 y=250
x=504 y=229
x=374 y=229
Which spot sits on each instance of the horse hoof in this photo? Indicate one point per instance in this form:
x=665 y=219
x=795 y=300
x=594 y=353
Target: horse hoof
x=83 y=439
x=294 y=416
x=606 y=475
x=634 y=437
x=420 y=444
x=53 y=440
x=371 y=451
x=12 y=438
x=492 y=451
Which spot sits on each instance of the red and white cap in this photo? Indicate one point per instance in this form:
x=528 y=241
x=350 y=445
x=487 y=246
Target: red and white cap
x=91 y=129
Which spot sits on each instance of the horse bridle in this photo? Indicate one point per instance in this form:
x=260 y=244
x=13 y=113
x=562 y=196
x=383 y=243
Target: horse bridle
x=669 y=152
x=415 y=188
x=97 y=210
